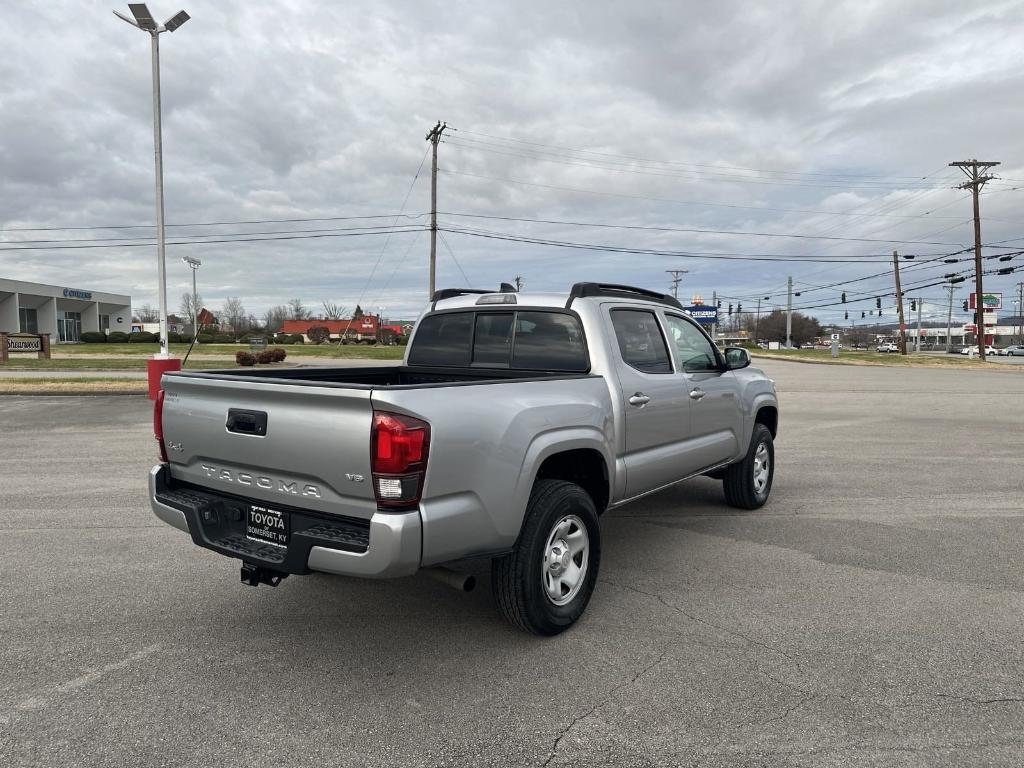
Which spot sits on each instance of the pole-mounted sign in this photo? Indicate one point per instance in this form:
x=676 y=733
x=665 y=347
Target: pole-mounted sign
x=702 y=313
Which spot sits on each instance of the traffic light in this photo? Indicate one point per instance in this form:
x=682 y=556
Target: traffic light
x=719 y=304
x=844 y=297
x=846 y=315
x=913 y=305
x=739 y=308
x=965 y=306
x=730 y=310
x=879 y=313
x=862 y=315
x=878 y=303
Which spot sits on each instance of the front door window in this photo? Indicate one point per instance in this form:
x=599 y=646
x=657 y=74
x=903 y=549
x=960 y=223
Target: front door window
x=69 y=327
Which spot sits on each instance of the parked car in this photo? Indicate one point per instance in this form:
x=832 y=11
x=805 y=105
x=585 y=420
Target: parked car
x=974 y=350
x=887 y=347
x=514 y=422
x=1013 y=350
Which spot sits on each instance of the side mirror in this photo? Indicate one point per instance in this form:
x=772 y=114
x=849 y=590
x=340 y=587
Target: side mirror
x=736 y=358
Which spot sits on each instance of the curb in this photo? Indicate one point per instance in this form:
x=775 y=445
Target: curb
x=82 y=393
x=867 y=364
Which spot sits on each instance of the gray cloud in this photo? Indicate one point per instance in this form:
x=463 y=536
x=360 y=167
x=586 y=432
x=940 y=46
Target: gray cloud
x=293 y=110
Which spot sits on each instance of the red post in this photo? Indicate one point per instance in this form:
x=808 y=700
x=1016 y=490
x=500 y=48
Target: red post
x=156 y=367
x=44 y=346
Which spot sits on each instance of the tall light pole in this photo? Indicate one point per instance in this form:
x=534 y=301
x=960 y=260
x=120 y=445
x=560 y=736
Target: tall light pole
x=144 y=20
x=195 y=264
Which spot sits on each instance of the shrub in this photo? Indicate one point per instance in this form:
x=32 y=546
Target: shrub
x=264 y=357
x=117 y=337
x=93 y=337
x=205 y=338
x=278 y=354
x=403 y=340
x=296 y=338
x=224 y=338
x=245 y=358
x=178 y=338
x=142 y=337
x=318 y=334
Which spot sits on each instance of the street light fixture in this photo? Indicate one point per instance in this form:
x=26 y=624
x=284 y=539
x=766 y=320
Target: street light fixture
x=144 y=20
x=195 y=264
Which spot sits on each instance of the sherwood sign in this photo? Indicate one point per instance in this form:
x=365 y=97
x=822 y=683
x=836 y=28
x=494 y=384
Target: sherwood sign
x=24 y=342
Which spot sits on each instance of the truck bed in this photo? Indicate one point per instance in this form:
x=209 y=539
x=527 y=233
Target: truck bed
x=380 y=377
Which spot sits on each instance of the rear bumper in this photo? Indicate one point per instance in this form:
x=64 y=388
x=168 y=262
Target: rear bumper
x=387 y=546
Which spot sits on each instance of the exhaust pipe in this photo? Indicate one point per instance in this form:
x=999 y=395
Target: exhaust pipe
x=457 y=580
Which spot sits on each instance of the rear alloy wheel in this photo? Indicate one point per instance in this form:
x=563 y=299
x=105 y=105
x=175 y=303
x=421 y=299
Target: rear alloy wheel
x=545 y=583
x=748 y=482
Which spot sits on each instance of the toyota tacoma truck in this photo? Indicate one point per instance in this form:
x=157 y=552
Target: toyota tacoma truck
x=515 y=421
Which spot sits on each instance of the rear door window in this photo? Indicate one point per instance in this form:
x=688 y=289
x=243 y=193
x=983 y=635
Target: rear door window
x=549 y=341
x=640 y=340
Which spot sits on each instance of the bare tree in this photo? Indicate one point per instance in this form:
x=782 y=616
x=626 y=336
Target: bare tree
x=148 y=314
x=234 y=313
x=190 y=307
x=275 y=316
x=333 y=311
x=297 y=310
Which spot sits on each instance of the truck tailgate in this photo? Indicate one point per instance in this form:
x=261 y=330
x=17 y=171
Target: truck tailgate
x=294 y=444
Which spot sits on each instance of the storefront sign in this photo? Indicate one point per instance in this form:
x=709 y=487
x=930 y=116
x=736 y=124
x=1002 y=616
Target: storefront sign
x=991 y=301
x=73 y=293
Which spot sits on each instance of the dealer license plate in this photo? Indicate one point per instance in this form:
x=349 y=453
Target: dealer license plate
x=267 y=526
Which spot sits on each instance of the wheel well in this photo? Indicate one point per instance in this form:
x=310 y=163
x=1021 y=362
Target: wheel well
x=583 y=466
x=769 y=416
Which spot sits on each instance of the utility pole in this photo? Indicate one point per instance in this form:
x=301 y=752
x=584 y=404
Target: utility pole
x=757 y=320
x=434 y=137
x=676 y=279
x=949 y=318
x=1020 y=311
x=899 y=302
x=789 y=312
x=977 y=176
x=714 y=325
x=917 y=341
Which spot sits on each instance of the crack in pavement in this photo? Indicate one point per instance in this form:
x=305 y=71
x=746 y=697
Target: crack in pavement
x=706 y=622
x=553 y=753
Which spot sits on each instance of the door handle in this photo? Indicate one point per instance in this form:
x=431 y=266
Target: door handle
x=639 y=398
x=697 y=394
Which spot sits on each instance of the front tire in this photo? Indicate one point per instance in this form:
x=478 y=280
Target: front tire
x=545 y=583
x=748 y=482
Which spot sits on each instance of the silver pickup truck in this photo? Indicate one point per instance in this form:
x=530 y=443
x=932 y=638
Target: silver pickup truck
x=515 y=421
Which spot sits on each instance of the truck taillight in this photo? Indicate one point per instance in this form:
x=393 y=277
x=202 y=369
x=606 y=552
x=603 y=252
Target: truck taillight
x=399 y=446
x=158 y=425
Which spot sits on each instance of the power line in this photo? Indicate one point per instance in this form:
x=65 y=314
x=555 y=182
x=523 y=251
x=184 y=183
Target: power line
x=214 y=223
x=687 y=229
x=671 y=162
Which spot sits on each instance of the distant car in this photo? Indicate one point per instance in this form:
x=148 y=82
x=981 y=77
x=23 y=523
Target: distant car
x=988 y=350
x=1012 y=350
x=887 y=347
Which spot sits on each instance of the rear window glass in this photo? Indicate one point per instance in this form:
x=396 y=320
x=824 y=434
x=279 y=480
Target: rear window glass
x=492 y=341
x=640 y=341
x=443 y=340
x=537 y=341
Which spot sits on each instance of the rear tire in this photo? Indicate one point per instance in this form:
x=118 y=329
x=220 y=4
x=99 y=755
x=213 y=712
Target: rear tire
x=748 y=482
x=545 y=583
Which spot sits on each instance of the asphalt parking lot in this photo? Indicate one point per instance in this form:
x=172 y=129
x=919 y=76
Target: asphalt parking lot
x=871 y=614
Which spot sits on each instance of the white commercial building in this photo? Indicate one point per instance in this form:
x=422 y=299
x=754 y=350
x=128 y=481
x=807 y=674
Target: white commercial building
x=64 y=313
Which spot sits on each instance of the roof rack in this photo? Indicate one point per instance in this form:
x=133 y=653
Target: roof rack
x=580 y=290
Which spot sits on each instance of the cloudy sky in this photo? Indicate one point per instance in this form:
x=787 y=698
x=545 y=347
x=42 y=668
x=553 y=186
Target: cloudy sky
x=670 y=135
